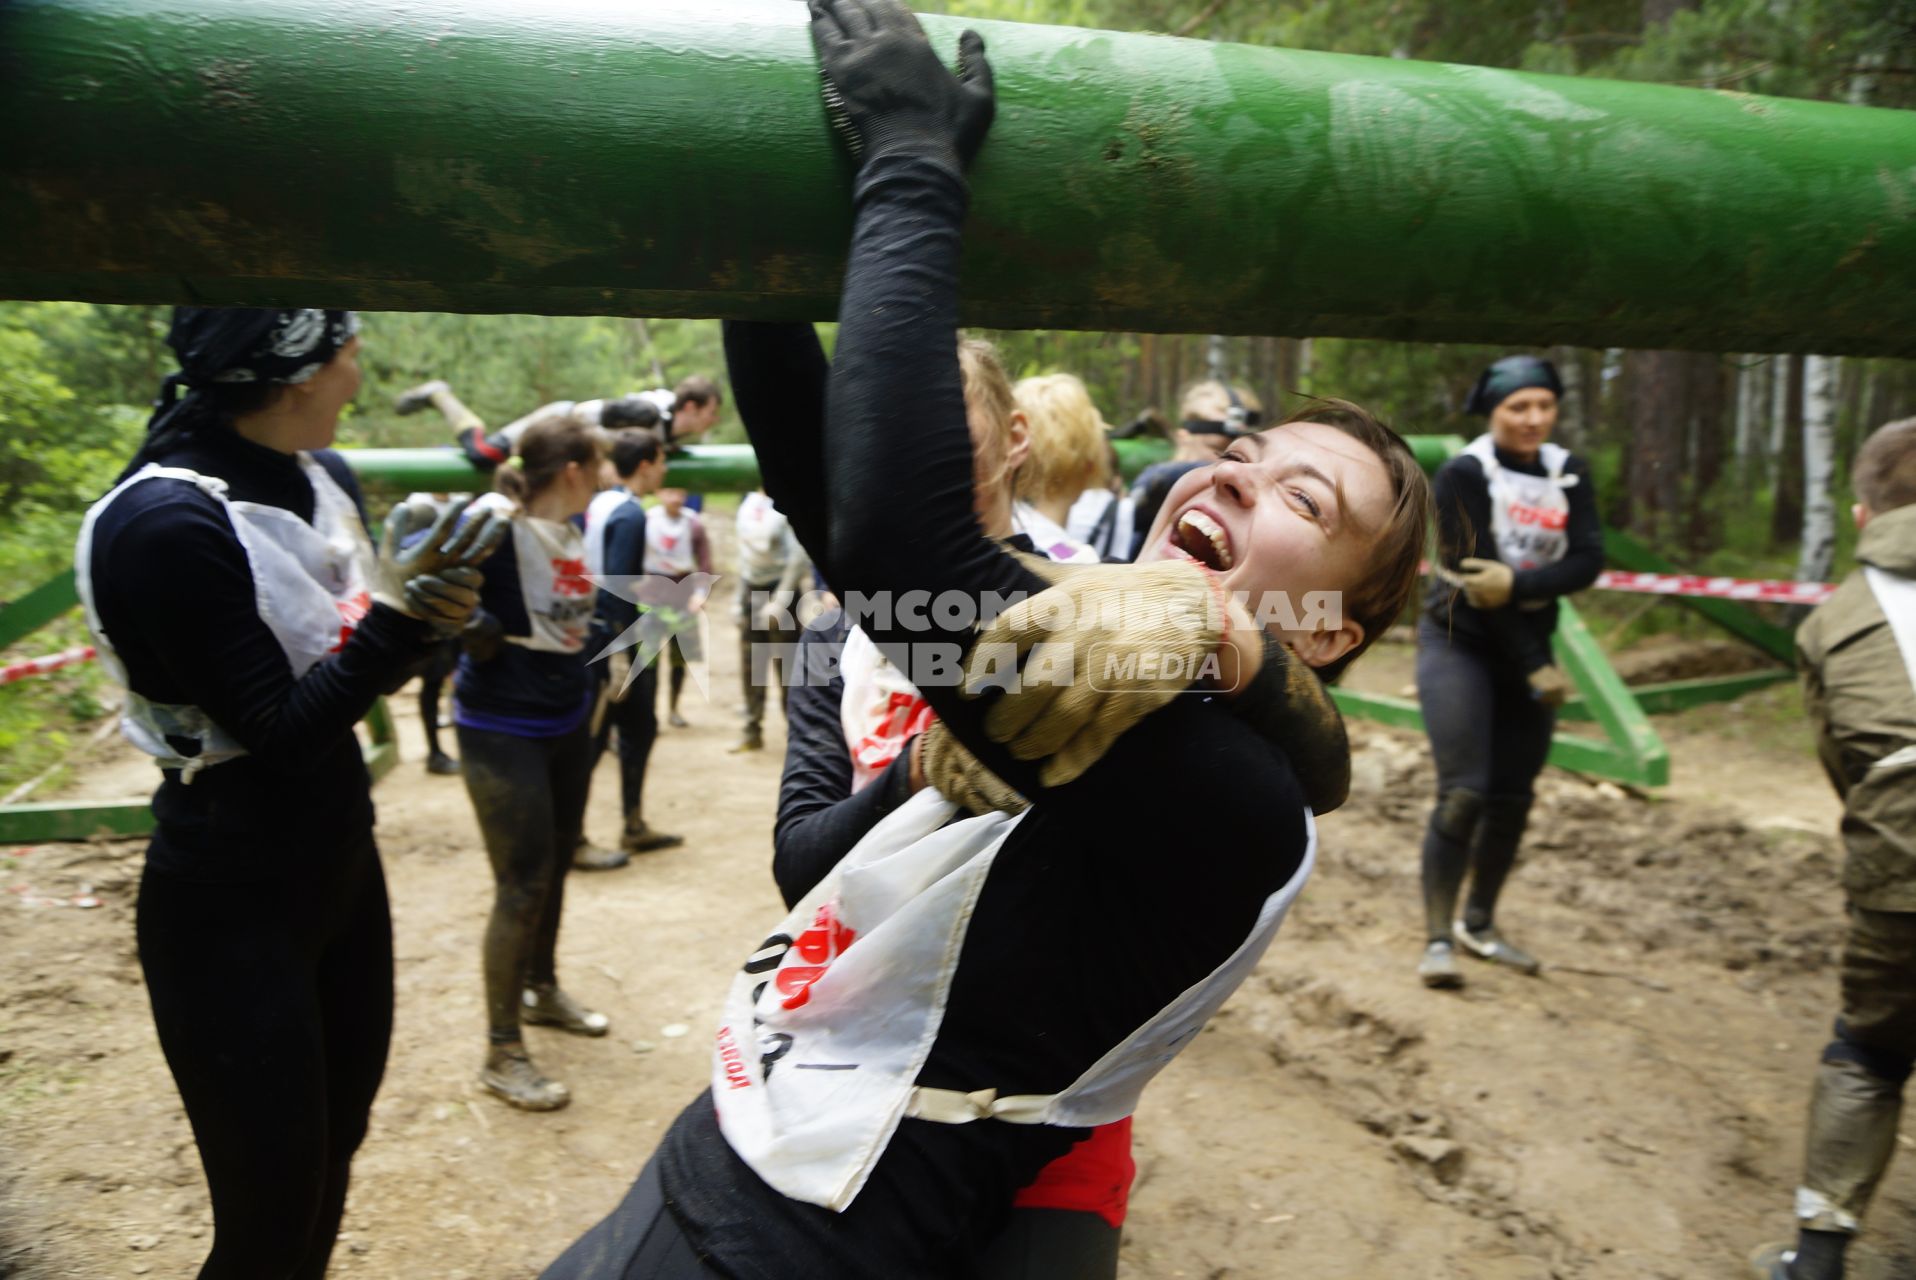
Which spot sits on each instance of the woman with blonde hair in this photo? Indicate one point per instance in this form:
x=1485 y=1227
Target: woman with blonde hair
x=1068 y=456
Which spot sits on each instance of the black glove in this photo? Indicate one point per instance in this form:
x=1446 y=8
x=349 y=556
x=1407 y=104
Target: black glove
x=886 y=91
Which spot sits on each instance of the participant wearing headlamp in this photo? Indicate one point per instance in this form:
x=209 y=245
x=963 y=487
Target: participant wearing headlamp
x=1211 y=415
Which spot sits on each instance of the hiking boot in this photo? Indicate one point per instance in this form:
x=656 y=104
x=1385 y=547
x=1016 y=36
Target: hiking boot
x=440 y=762
x=1772 y=1262
x=750 y=742
x=510 y=1075
x=646 y=840
x=587 y=856
x=678 y=721
x=552 y=1007
x=1487 y=944
x=1439 y=968
x=420 y=397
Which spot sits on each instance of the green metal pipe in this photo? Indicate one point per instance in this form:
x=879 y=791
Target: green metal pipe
x=721 y=468
x=596 y=156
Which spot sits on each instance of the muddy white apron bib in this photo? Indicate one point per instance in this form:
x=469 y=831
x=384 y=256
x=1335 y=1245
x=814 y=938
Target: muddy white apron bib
x=830 y=1021
x=1529 y=515
x=311 y=582
x=880 y=711
x=669 y=548
x=550 y=557
x=1896 y=596
x=597 y=516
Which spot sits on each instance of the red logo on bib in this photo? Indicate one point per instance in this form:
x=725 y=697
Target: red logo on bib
x=818 y=946
x=568 y=578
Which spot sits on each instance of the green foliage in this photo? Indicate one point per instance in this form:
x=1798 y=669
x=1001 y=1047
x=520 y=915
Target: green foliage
x=506 y=366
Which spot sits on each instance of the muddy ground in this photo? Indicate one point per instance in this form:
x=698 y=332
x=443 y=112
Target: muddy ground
x=1634 y=1113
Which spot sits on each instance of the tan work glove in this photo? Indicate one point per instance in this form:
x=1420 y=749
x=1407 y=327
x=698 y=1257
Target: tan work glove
x=957 y=776
x=1098 y=652
x=1487 y=584
x=1550 y=685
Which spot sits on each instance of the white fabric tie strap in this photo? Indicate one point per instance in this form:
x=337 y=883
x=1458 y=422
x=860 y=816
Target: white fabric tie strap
x=950 y=1106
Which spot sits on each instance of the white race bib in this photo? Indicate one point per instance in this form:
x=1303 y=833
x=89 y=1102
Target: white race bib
x=1529 y=515
x=311 y=585
x=830 y=1021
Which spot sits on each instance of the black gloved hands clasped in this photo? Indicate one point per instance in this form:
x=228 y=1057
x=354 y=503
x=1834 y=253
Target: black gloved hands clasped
x=886 y=91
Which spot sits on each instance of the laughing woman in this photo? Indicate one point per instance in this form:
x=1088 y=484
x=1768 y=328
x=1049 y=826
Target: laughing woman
x=958 y=1002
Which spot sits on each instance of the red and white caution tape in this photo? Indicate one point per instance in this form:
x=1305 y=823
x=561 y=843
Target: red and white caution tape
x=1768 y=591
x=1762 y=590
x=40 y=666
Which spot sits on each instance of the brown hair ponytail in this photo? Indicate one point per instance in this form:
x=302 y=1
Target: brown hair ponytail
x=542 y=455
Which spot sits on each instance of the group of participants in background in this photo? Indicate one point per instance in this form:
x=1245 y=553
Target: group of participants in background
x=929 y=1065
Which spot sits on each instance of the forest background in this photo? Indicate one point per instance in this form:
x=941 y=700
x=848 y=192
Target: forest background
x=1732 y=462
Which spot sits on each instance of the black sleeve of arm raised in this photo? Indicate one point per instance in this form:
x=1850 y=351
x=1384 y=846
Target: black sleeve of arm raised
x=819 y=817
x=203 y=628
x=898 y=474
x=1583 y=561
x=779 y=374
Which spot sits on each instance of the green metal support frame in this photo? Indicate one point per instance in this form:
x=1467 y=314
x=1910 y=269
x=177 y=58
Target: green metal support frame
x=1630 y=751
x=1733 y=616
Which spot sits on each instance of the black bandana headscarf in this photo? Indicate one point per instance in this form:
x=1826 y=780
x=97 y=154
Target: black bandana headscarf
x=1509 y=376
x=226 y=346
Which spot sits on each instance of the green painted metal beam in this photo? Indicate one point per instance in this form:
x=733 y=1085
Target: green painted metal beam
x=1633 y=753
x=20 y=618
x=1634 y=743
x=1571 y=751
x=707 y=468
x=595 y=156
x=1680 y=695
x=1733 y=616
x=74 y=820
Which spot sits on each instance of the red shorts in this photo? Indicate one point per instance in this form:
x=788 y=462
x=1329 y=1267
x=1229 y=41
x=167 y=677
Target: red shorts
x=1093 y=1177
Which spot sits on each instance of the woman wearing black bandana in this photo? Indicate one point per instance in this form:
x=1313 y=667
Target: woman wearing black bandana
x=1517 y=526
x=230 y=586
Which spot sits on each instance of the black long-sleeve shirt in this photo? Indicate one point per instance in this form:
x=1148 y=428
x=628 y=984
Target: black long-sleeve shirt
x=1099 y=910
x=175 y=593
x=1462 y=496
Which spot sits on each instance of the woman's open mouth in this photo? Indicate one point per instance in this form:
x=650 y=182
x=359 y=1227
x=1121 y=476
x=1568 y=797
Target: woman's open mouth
x=1203 y=539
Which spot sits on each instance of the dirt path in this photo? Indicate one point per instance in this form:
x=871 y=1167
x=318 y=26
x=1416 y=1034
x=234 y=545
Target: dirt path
x=1634 y=1113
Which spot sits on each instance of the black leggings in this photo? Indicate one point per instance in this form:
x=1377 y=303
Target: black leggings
x=273 y=1002
x=637 y=720
x=529 y=795
x=1489 y=736
x=432 y=680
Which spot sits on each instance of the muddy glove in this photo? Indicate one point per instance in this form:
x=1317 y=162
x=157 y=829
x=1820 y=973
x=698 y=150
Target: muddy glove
x=1549 y=686
x=1094 y=655
x=482 y=637
x=446 y=599
x=404 y=556
x=886 y=91
x=956 y=775
x=1289 y=707
x=1487 y=583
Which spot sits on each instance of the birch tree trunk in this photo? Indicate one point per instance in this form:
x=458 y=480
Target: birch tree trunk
x=1819 y=465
